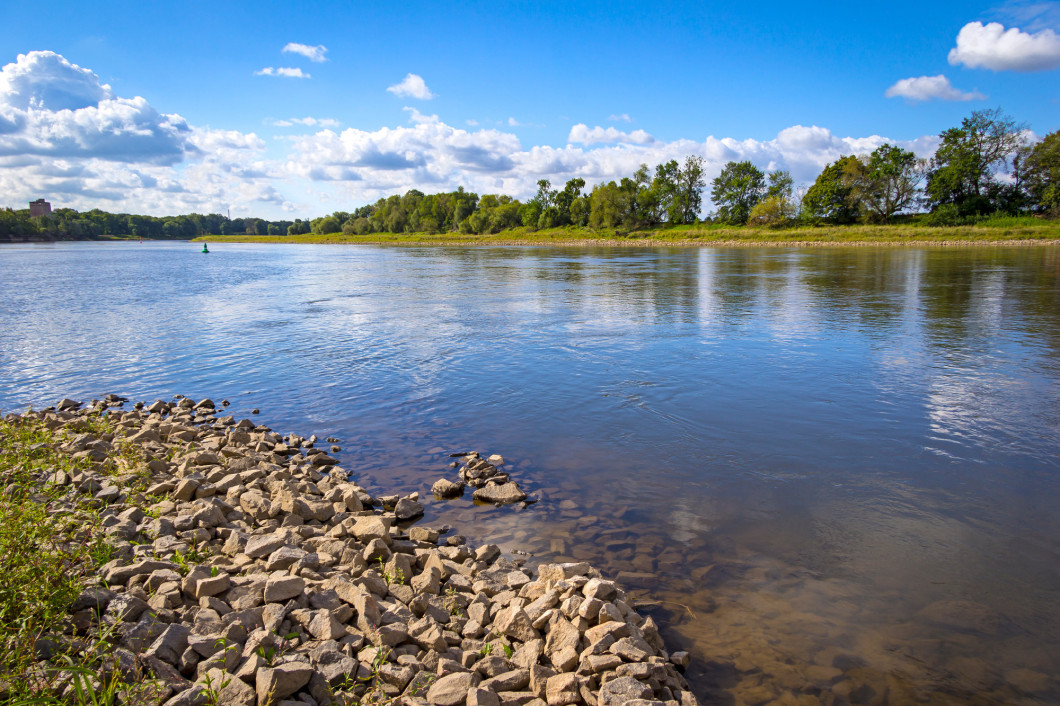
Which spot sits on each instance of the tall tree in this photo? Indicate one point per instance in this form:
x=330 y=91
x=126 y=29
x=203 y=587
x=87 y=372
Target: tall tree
x=830 y=198
x=885 y=182
x=736 y=190
x=1041 y=172
x=688 y=192
x=963 y=170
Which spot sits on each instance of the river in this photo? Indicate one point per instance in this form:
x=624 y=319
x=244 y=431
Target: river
x=830 y=474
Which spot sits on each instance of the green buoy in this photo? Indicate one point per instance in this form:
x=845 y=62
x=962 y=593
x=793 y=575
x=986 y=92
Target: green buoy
x=204 y=248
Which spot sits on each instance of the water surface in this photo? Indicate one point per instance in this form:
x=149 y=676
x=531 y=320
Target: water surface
x=830 y=473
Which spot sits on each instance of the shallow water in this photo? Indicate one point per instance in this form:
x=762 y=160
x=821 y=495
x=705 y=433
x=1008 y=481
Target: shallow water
x=830 y=474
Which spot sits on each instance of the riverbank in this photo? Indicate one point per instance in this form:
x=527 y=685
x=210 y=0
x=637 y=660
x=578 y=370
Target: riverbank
x=181 y=557
x=1046 y=233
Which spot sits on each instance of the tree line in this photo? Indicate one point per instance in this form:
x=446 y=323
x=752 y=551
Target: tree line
x=68 y=224
x=983 y=167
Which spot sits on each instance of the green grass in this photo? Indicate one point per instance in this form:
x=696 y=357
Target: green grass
x=996 y=229
x=50 y=547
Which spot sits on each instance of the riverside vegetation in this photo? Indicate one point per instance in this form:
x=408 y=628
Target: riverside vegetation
x=984 y=173
x=168 y=554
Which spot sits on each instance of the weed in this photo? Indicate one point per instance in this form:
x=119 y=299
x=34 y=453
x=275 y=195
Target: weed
x=397 y=576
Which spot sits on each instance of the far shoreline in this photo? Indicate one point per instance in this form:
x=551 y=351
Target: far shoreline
x=1045 y=234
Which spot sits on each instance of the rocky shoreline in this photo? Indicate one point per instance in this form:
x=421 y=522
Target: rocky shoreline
x=250 y=569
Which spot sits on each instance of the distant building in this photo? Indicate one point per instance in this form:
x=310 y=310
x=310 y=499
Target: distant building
x=40 y=207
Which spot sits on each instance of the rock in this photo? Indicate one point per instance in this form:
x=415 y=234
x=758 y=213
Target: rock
x=284 y=558
x=195 y=695
x=424 y=534
x=95 y=598
x=562 y=689
x=264 y=544
x=504 y=494
x=514 y=623
x=561 y=572
x=515 y=680
x=236 y=692
x=600 y=589
x=446 y=489
x=451 y=690
x=276 y=684
x=680 y=659
x=619 y=691
x=407 y=508
x=283 y=588
x=477 y=696
x=171 y=644
x=369 y=528
x=125 y=608
x=120 y=575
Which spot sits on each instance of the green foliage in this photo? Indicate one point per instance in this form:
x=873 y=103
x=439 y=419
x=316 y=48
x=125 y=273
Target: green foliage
x=772 y=212
x=1041 y=170
x=830 y=199
x=736 y=190
x=963 y=171
x=885 y=182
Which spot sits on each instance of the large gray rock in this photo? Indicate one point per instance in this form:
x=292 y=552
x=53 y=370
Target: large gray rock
x=619 y=691
x=407 y=508
x=283 y=588
x=514 y=623
x=264 y=544
x=504 y=494
x=451 y=690
x=274 y=685
x=562 y=689
x=447 y=489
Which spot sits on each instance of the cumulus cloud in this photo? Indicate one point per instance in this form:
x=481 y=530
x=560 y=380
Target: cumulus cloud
x=52 y=108
x=360 y=166
x=413 y=86
x=66 y=135
x=307 y=122
x=286 y=71
x=993 y=47
x=96 y=149
x=583 y=134
x=621 y=118
x=313 y=53
x=925 y=88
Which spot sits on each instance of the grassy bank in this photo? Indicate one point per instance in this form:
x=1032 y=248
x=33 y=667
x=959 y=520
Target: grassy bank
x=1013 y=231
x=52 y=541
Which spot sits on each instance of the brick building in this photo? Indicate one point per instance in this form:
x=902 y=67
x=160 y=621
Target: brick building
x=40 y=207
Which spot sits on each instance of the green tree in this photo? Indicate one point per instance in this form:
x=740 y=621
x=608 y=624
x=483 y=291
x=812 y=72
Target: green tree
x=687 y=197
x=772 y=212
x=830 y=198
x=885 y=182
x=780 y=185
x=963 y=170
x=1041 y=172
x=736 y=190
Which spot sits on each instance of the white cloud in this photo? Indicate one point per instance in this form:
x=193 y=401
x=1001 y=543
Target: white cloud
x=993 y=47
x=358 y=166
x=472 y=122
x=307 y=122
x=313 y=53
x=583 y=134
x=925 y=88
x=412 y=86
x=120 y=154
x=52 y=108
x=282 y=71
x=622 y=118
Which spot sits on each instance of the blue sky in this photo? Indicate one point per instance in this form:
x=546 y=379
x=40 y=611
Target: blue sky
x=283 y=110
